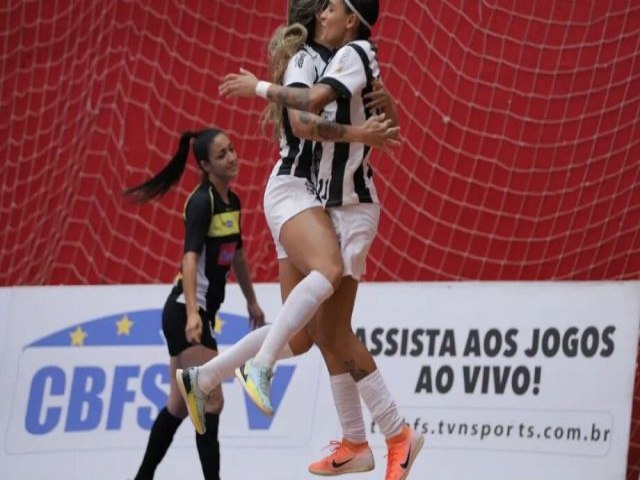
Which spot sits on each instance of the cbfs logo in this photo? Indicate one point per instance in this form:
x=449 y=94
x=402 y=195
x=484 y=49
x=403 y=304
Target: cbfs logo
x=88 y=384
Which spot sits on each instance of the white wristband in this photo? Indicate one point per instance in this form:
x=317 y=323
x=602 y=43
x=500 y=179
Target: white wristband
x=261 y=88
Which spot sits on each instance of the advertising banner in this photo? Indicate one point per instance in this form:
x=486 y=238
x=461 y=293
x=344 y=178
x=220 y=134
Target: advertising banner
x=513 y=381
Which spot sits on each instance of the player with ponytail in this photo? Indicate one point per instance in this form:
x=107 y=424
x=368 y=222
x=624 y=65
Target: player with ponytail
x=212 y=245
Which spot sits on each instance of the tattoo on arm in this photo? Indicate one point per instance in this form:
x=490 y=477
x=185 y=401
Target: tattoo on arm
x=330 y=131
x=323 y=129
x=297 y=98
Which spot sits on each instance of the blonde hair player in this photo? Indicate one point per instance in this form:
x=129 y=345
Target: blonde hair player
x=345 y=185
x=303 y=233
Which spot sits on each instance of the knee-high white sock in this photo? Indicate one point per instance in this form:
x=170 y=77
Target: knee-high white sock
x=349 y=408
x=377 y=398
x=297 y=310
x=212 y=373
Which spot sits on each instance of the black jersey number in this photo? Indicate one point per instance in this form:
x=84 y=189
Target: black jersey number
x=323 y=188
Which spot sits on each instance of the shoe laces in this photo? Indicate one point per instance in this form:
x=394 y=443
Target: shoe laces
x=334 y=446
x=338 y=447
x=264 y=378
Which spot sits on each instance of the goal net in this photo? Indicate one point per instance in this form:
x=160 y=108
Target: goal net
x=520 y=154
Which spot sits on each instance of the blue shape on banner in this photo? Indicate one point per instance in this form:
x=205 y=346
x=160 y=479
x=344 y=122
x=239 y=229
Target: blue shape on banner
x=143 y=327
x=89 y=406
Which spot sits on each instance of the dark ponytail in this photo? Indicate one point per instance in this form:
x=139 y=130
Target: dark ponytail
x=159 y=184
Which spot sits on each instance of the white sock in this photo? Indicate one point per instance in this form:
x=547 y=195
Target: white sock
x=297 y=310
x=212 y=373
x=347 y=401
x=378 y=400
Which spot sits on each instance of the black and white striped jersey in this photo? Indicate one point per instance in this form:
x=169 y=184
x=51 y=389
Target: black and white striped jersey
x=304 y=70
x=344 y=175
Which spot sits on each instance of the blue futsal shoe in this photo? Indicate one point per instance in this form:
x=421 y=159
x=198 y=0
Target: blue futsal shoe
x=256 y=381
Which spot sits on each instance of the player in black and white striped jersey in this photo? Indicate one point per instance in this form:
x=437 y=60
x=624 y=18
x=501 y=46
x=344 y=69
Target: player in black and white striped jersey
x=305 y=239
x=345 y=184
x=303 y=70
x=344 y=174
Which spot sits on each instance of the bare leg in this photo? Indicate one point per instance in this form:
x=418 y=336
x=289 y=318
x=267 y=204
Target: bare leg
x=341 y=348
x=312 y=246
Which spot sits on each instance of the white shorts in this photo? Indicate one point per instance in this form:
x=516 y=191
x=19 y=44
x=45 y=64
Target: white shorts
x=356 y=227
x=284 y=198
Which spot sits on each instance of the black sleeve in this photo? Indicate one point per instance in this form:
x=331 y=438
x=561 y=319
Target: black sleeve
x=197 y=220
x=337 y=85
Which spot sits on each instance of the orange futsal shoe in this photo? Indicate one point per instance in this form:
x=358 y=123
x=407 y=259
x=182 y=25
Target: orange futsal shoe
x=345 y=457
x=403 y=450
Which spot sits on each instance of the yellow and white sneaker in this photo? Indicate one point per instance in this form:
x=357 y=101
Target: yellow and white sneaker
x=345 y=457
x=403 y=450
x=256 y=381
x=195 y=399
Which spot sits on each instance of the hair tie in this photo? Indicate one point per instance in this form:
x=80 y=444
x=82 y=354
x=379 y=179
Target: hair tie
x=357 y=13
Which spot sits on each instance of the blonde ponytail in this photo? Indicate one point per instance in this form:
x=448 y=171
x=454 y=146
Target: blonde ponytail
x=284 y=44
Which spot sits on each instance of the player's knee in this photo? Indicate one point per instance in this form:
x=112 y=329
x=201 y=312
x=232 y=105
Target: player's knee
x=177 y=407
x=326 y=339
x=301 y=342
x=332 y=271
